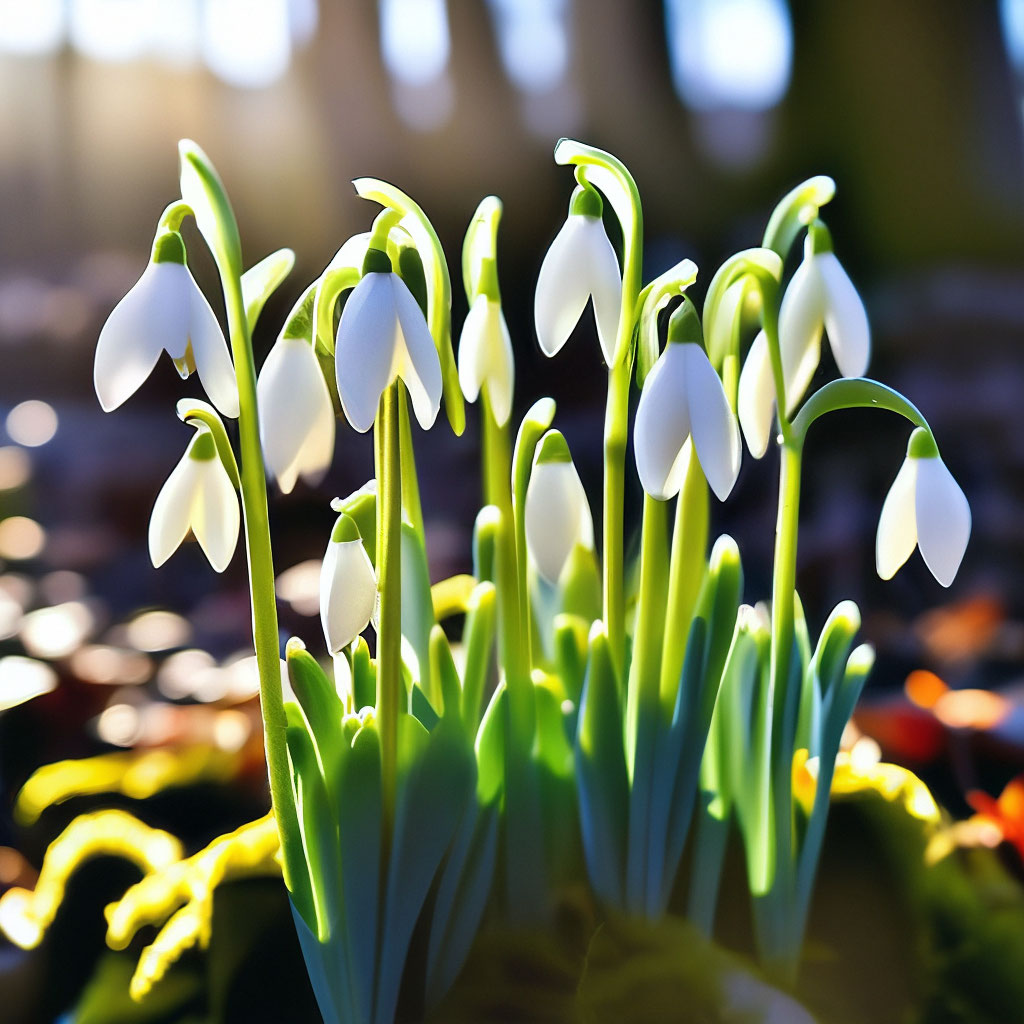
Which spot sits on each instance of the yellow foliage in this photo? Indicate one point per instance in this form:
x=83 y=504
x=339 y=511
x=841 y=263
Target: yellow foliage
x=136 y=775
x=25 y=915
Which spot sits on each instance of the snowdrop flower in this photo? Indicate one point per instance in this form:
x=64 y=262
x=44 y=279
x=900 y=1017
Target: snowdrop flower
x=164 y=312
x=682 y=398
x=580 y=264
x=383 y=336
x=557 y=511
x=820 y=297
x=197 y=496
x=296 y=412
x=926 y=508
x=485 y=349
x=348 y=586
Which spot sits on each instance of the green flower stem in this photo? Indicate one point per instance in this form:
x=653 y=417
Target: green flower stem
x=497 y=457
x=616 y=427
x=410 y=479
x=204 y=193
x=389 y=584
x=611 y=175
x=687 y=567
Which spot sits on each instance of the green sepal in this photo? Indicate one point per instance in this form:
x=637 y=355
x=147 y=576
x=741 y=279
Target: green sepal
x=260 y=281
x=169 y=247
x=203 y=190
x=490 y=748
x=651 y=302
x=819 y=237
x=601 y=774
x=580 y=584
x=764 y=268
x=552 y=448
x=410 y=270
x=345 y=529
x=684 y=325
x=199 y=414
x=796 y=209
x=299 y=322
x=364 y=675
x=376 y=261
x=439 y=305
x=922 y=445
x=586 y=202
x=478 y=639
x=202 y=447
x=480 y=243
x=321 y=706
x=361 y=509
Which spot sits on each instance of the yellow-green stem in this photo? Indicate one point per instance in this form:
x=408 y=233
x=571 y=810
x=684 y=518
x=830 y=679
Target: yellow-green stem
x=410 y=479
x=616 y=425
x=389 y=584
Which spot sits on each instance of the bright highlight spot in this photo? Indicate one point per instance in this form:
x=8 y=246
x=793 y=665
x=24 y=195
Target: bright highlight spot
x=15 y=468
x=414 y=39
x=157 y=631
x=734 y=54
x=23 y=679
x=119 y=725
x=299 y=586
x=31 y=26
x=176 y=677
x=21 y=538
x=532 y=42
x=972 y=709
x=110 y=30
x=32 y=423
x=924 y=688
x=110 y=666
x=247 y=42
x=58 y=631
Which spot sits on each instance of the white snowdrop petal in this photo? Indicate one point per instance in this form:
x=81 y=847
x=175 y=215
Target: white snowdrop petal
x=365 y=347
x=563 y=285
x=502 y=373
x=215 y=515
x=605 y=286
x=662 y=424
x=348 y=593
x=801 y=317
x=421 y=365
x=556 y=516
x=716 y=435
x=473 y=349
x=846 y=320
x=172 y=512
x=756 y=397
x=210 y=351
x=148 y=320
x=943 y=519
x=296 y=415
x=897 y=524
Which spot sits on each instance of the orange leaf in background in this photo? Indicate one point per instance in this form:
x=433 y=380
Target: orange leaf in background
x=924 y=688
x=1006 y=812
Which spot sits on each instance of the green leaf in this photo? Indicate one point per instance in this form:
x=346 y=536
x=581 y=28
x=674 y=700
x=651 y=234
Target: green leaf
x=318 y=698
x=478 y=637
x=364 y=675
x=259 y=282
x=490 y=748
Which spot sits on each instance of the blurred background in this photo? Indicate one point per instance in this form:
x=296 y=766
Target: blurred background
x=717 y=106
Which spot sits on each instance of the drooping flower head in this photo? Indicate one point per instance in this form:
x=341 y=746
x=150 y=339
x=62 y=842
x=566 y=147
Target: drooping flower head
x=296 y=413
x=683 y=398
x=348 y=586
x=164 y=311
x=579 y=266
x=557 y=511
x=197 y=496
x=924 y=508
x=383 y=336
x=820 y=297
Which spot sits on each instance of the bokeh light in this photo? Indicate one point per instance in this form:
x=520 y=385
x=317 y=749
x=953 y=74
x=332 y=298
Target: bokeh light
x=32 y=423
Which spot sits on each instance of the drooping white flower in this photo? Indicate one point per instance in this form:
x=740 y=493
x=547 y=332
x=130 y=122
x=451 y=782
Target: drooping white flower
x=197 y=496
x=820 y=297
x=164 y=311
x=926 y=508
x=296 y=413
x=485 y=357
x=682 y=398
x=580 y=264
x=348 y=586
x=557 y=511
x=383 y=336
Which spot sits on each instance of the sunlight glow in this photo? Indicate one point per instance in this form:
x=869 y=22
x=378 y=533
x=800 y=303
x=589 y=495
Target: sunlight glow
x=32 y=27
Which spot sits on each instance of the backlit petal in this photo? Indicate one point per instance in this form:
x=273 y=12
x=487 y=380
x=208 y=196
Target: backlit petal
x=801 y=317
x=756 y=397
x=151 y=318
x=473 y=349
x=563 y=285
x=348 y=593
x=215 y=516
x=846 y=320
x=557 y=516
x=716 y=434
x=897 y=524
x=485 y=357
x=605 y=286
x=172 y=512
x=421 y=365
x=662 y=425
x=210 y=351
x=943 y=519
x=365 y=349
